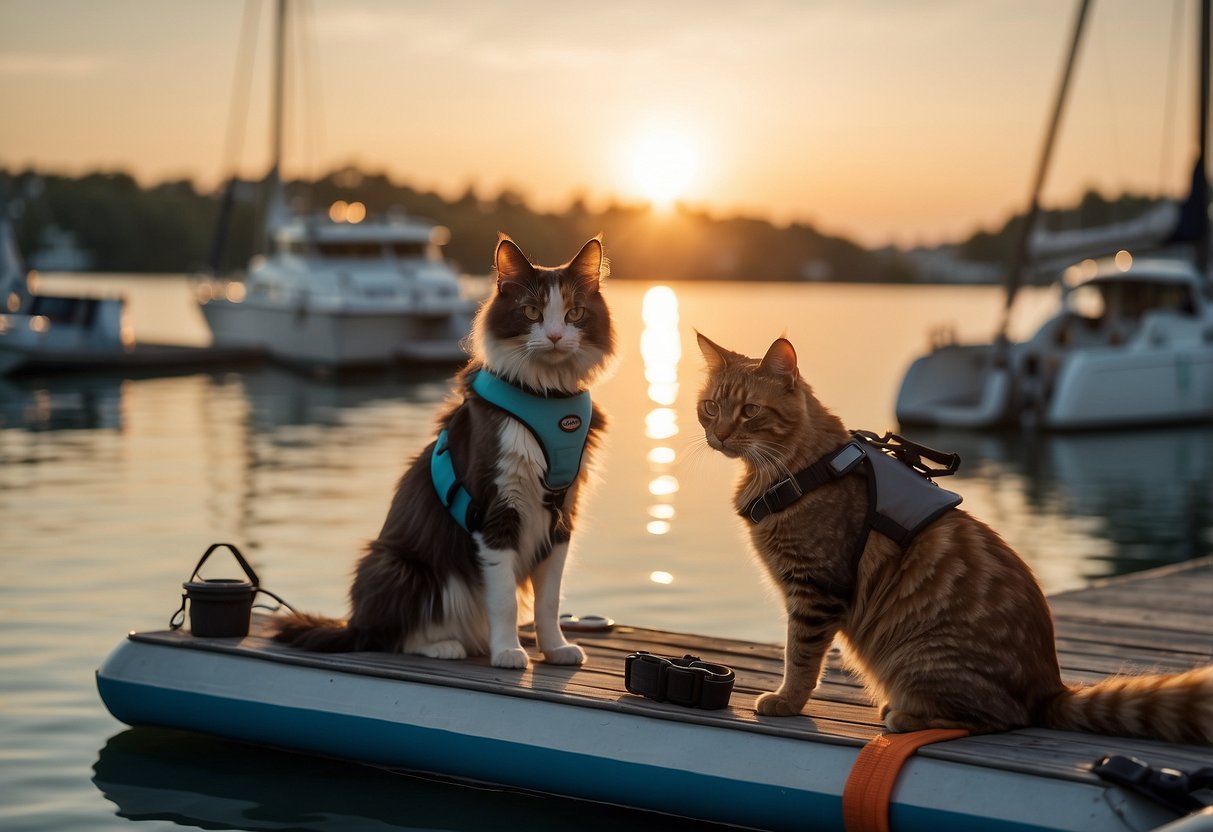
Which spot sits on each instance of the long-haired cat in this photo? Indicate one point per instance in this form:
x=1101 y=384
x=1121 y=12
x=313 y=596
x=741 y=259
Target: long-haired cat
x=952 y=632
x=431 y=584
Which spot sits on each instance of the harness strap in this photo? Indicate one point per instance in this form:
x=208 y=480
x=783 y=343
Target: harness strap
x=449 y=487
x=559 y=424
x=835 y=464
x=869 y=788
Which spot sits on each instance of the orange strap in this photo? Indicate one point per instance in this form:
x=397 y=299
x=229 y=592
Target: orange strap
x=869 y=789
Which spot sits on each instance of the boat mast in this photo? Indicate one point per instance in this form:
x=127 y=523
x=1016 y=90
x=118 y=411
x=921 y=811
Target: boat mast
x=276 y=199
x=1019 y=262
x=12 y=270
x=1200 y=180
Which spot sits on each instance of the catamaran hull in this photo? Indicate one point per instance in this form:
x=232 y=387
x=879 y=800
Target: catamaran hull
x=957 y=386
x=965 y=387
x=338 y=338
x=1106 y=388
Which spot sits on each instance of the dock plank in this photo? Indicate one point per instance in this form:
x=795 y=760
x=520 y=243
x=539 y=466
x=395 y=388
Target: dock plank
x=1153 y=621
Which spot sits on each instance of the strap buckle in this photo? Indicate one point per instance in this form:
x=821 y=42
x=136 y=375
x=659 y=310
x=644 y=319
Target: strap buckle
x=844 y=461
x=776 y=498
x=688 y=681
x=926 y=461
x=1170 y=787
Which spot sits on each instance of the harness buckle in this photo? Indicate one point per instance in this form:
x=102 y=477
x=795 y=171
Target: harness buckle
x=776 y=498
x=688 y=681
x=1170 y=787
x=645 y=674
x=843 y=462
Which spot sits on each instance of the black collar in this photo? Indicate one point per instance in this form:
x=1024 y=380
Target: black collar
x=837 y=463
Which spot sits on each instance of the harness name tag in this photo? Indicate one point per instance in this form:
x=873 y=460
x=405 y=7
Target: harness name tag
x=570 y=423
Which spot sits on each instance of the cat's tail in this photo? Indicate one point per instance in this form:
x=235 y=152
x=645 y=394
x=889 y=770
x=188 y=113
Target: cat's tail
x=1175 y=707
x=315 y=632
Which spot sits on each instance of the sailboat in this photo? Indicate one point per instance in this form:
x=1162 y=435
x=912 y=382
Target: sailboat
x=1132 y=341
x=336 y=289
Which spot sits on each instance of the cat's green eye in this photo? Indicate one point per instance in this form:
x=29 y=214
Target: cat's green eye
x=532 y=312
x=575 y=314
x=750 y=410
x=710 y=407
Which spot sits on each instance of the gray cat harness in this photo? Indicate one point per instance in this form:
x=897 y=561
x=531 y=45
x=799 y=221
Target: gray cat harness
x=560 y=424
x=902 y=498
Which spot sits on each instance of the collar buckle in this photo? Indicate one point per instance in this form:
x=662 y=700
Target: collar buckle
x=784 y=492
x=688 y=681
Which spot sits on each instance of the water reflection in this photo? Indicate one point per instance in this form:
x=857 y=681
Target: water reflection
x=661 y=349
x=1125 y=499
x=196 y=781
x=93 y=403
x=279 y=398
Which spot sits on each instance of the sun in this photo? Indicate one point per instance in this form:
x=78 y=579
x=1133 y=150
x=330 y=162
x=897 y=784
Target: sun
x=664 y=163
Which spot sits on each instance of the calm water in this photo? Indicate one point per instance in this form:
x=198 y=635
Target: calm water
x=110 y=489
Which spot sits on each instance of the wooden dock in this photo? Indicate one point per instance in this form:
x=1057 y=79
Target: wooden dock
x=1161 y=620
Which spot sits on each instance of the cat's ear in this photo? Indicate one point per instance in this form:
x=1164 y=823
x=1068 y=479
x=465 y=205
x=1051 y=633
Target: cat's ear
x=780 y=361
x=511 y=264
x=590 y=265
x=712 y=354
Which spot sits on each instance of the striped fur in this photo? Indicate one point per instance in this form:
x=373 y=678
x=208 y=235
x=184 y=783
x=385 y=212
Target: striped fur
x=952 y=632
x=425 y=585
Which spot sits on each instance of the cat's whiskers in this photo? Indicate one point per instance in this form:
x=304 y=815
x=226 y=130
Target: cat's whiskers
x=768 y=456
x=695 y=451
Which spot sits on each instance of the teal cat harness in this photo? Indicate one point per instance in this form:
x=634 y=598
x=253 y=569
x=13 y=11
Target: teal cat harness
x=560 y=424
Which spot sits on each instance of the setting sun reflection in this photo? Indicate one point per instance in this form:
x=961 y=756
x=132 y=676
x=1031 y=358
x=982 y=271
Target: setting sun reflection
x=661 y=511
x=661 y=455
x=663 y=486
x=661 y=423
x=661 y=349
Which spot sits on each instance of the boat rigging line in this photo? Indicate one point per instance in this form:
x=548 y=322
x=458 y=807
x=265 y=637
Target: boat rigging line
x=1020 y=256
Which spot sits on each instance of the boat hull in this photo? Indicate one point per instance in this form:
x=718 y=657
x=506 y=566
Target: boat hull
x=535 y=732
x=513 y=741
x=966 y=387
x=340 y=337
x=1107 y=388
x=956 y=386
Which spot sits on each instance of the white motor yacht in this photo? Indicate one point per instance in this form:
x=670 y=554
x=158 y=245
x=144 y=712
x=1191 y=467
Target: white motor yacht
x=334 y=294
x=41 y=330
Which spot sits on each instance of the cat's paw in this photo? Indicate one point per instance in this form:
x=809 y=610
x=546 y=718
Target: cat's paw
x=897 y=722
x=774 y=704
x=565 y=654
x=449 y=649
x=514 y=658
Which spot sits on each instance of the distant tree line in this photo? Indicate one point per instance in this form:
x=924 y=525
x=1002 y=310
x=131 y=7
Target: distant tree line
x=172 y=227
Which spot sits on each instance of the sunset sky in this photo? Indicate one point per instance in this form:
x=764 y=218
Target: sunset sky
x=884 y=120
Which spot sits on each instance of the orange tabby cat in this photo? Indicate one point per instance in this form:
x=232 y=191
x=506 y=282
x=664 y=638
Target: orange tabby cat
x=952 y=632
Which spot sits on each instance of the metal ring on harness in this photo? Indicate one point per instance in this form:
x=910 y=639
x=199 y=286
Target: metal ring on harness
x=687 y=681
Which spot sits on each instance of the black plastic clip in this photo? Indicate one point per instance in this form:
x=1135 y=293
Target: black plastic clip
x=1171 y=787
x=687 y=681
x=926 y=461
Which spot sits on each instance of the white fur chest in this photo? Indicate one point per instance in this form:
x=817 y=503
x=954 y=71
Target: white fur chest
x=521 y=469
